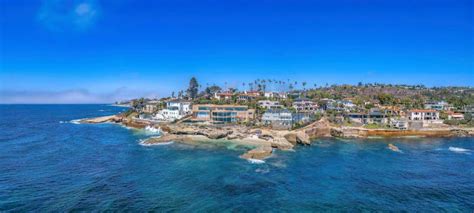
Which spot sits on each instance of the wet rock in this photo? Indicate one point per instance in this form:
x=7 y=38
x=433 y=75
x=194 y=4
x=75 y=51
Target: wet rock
x=303 y=138
x=298 y=138
x=102 y=119
x=291 y=137
x=459 y=133
x=258 y=153
x=281 y=143
x=218 y=134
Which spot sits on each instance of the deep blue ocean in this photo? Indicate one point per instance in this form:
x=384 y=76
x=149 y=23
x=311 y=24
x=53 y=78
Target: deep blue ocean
x=48 y=163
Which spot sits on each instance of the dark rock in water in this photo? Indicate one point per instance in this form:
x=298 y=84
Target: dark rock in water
x=459 y=133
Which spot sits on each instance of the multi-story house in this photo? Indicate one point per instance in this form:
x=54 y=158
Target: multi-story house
x=222 y=113
x=305 y=105
x=278 y=118
x=174 y=110
x=439 y=106
x=150 y=108
x=270 y=104
x=423 y=115
x=373 y=116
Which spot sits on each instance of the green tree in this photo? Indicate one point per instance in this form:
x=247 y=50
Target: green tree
x=193 y=88
x=385 y=99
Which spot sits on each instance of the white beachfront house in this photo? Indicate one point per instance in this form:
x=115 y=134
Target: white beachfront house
x=278 y=118
x=423 y=115
x=419 y=118
x=279 y=95
x=174 y=110
x=400 y=123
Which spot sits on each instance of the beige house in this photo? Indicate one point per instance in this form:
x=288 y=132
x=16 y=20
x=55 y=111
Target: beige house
x=223 y=96
x=455 y=116
x=150 y=108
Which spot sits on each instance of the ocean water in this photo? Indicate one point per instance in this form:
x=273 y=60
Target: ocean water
x=48 y=163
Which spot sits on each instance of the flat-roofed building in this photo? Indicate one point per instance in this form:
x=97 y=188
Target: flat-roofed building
x=270 y=104
x=399 y=123
x=222 y=113
x=175 y=109
x=421 y=118
x=305 y=105
x=439 y=106
x=150 y=108
x=423 y=115
x=278 y=118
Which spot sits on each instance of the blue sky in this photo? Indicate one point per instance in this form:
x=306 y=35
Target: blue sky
x=90 y=51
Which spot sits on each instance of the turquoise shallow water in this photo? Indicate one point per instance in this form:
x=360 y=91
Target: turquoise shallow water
x=48 y=163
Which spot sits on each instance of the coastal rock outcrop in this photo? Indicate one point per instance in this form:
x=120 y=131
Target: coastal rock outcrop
x=321 y=128
x=264 y=139
x=103 y=119
x=460 y=133
x=258 y=153
x=298 y=138
x=219 y=134
x=348 y=132
x=281 y=143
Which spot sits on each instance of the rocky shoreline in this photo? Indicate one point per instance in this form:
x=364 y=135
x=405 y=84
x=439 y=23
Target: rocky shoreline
x=264 y=140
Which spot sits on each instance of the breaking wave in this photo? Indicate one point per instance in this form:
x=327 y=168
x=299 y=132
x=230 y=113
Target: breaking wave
x=156 y=144
x=458 y=149
x=76 y=121
x=255 y=161
x=152 y=129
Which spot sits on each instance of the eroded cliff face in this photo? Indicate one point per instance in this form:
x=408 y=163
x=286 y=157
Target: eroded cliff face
x=318 y=129
x=348 y=132
x=343 y=132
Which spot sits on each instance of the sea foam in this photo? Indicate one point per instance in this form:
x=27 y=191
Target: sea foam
x=70 y=122
x=152 y=129
x=156 y=144
x=255 y=161
x=76 y=121
x=459 y=150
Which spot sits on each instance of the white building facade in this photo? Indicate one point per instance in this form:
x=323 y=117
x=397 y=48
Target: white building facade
x=278 y=118
x=270 y=104
x=423 y=115
x=175 y=110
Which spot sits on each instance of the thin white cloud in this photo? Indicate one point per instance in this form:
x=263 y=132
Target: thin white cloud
x=61 y=15
x=74 y=96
